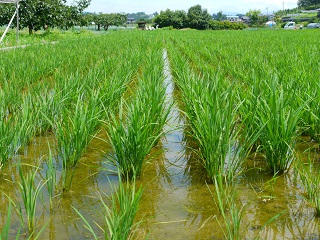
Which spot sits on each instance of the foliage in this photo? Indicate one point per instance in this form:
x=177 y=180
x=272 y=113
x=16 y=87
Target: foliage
x=107 y=19
x=198 y=18
x=140 y=16
x=44 y=14
x=219 y=16
x=226 y=25
x=254 y=16
x=176 y=19
x=306 y=3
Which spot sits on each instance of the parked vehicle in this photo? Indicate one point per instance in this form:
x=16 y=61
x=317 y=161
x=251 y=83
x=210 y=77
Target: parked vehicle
x=290 y=25
x=271 y=24
x=313 y=25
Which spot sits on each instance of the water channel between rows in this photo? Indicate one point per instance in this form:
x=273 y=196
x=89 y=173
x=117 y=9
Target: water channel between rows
x=176 y=202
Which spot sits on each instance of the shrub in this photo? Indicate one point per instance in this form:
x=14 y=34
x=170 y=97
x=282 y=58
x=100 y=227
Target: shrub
x=226 y=25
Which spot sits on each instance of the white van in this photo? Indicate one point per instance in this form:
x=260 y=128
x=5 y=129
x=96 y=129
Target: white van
x=290 y=25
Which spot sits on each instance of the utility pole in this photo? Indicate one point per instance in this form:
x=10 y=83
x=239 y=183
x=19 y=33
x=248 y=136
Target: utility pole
x=17 y=7
x=267 y=13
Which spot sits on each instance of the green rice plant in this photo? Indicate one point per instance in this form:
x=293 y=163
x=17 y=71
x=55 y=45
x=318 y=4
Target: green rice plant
x=310 y=179
x=311 y=116
x=156 y=107
x=9 y=141
x=74 y=132
x=225 y=199
x=29 y=195
x=278 y=118
x=4 y=234
x=112 y=90
x=48 y=105
x=211 y=110
x=119 y=214
x=132 y=135
x=131 y=139
x=26 y=121
x=51 y=177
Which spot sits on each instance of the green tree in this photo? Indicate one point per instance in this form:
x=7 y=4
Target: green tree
x=306 y=3
x=198 y=18
x=176 y=19
x=220 y=16
x=43 y=14
x=254 y=16
x=109 y=19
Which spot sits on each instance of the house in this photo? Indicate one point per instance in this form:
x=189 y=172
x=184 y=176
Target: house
x=245 y=19
x=233 y=18
x=130 y=20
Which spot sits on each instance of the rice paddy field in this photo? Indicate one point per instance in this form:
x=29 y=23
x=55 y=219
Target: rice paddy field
x=162 y=135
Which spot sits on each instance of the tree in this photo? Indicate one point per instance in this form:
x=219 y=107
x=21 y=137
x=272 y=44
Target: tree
x=198 y=18
x=43 y=14
x=254 y=16
x=221 y=16
x=306 y=3
x=37 y=14
x=107 y=19
x=177 y=19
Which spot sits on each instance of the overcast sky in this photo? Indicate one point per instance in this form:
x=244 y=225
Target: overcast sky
x=213 y=6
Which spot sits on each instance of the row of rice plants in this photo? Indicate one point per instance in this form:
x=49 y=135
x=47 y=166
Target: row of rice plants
x=71 y=103
x=278 y=95
x=266 y=116
x=139 y=125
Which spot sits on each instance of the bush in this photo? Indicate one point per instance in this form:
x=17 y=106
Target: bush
x=226 y=25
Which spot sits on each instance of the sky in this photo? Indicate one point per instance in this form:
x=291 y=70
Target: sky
x=213 y=6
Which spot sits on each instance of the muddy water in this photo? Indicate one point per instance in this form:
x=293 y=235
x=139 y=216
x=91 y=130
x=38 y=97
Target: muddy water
x=176 y=203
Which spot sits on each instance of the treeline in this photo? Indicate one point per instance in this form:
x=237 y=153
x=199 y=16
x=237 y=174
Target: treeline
x=39 y=14
x=195 y=17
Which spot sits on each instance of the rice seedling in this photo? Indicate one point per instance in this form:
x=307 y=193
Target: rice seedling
x=279 y=120
x=8 y=139
x=211 y=110
x=131 y=140
x=4 y=234
x=119 y=214
x=51 y=177
x=310 y=179
x=225 y=199
x=134 y=133
x=74 y=132
x=29 y=195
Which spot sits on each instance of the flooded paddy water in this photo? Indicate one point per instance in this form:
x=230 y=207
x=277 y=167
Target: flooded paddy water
x=176 y=201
